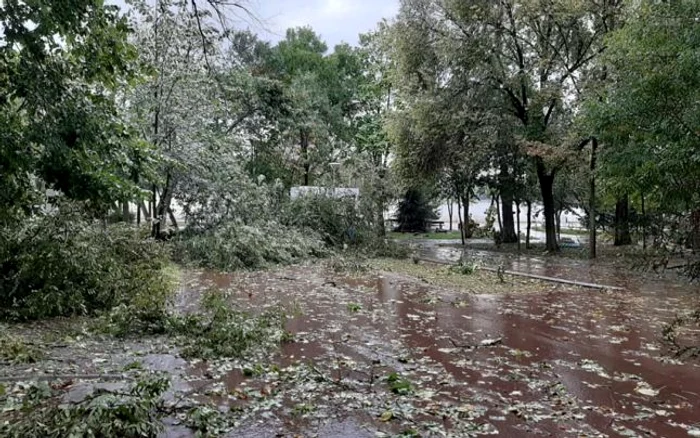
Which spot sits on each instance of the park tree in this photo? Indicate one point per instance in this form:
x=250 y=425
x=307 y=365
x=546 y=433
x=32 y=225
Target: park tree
x=61 y=74
x=196 y=105
x=532 y=54
x=647 y=110
x=375 y=102
x=320 y=89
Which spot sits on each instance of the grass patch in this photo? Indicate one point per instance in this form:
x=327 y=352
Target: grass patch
x=479 y=282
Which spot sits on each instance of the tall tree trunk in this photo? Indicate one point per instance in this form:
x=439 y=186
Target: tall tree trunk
x=508 y=231
x=450 y=207
x=304 y=142
x=459 y=216
x=694 y=240
x=517 y=212
x=506 y=182
x=162 y=208
x=466 y=227
x=171 y=214
x=622 y=225
x=644 y=224
x=125 y=212
x=546 y=181
x=592 y=236
x=529 y=224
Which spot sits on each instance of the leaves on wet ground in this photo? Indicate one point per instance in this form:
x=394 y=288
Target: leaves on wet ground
x=408 y=349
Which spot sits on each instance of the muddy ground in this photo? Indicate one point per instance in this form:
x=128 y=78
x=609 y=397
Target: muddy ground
x=416 y=349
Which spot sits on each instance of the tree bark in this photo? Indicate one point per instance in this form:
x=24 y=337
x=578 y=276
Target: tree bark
x=622 y=226
x=506 y=183
x=644 y=224
x=304 y=142
x=162 y=209
x=546 y=180
x=171 y=214
x=592 y=237
x=529 y=224
x=459 y=216
x=517 y=212
x=125 y=212
x=508 y=232
x=449 y=211
x=466 y=226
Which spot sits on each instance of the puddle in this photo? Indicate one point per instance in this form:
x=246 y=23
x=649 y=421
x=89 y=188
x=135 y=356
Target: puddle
x=569 y=362
x=385 y=353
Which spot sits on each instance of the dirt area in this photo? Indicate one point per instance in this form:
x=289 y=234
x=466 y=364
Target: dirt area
x=415 y=350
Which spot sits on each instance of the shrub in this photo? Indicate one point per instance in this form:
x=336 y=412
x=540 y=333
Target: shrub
x=234 y=246
x=338 y=221
x=65 y=264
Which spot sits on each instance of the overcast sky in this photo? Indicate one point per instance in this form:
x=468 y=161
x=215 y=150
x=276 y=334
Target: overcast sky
x=335 y=20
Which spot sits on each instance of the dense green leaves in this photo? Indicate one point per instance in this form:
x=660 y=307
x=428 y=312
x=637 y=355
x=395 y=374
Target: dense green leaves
x=647 y=112
x=59 y=81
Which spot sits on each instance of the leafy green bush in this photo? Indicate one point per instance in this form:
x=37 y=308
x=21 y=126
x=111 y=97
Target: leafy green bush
x=135 y=412
x=66 y=264
x=338 y=221
x=146 y=311
x=234 y=246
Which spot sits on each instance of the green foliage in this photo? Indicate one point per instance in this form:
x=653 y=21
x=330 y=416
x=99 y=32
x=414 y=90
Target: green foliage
x=354 y=307
x=63 y=126
x=414 y=211
x=135 y=412
x=399 y=385
x=145 y=312
x=646 y=113
x=234 y=246
x=220 y=330
x=338 y=221
x=464 y=268
x=206 y=421
x=351 y=264
x=66 y=264
x=15 y=350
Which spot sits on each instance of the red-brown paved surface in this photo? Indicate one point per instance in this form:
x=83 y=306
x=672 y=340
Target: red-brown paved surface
x=567 y=362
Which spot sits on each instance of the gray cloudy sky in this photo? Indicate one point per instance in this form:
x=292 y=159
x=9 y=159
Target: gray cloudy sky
x=335 y=20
